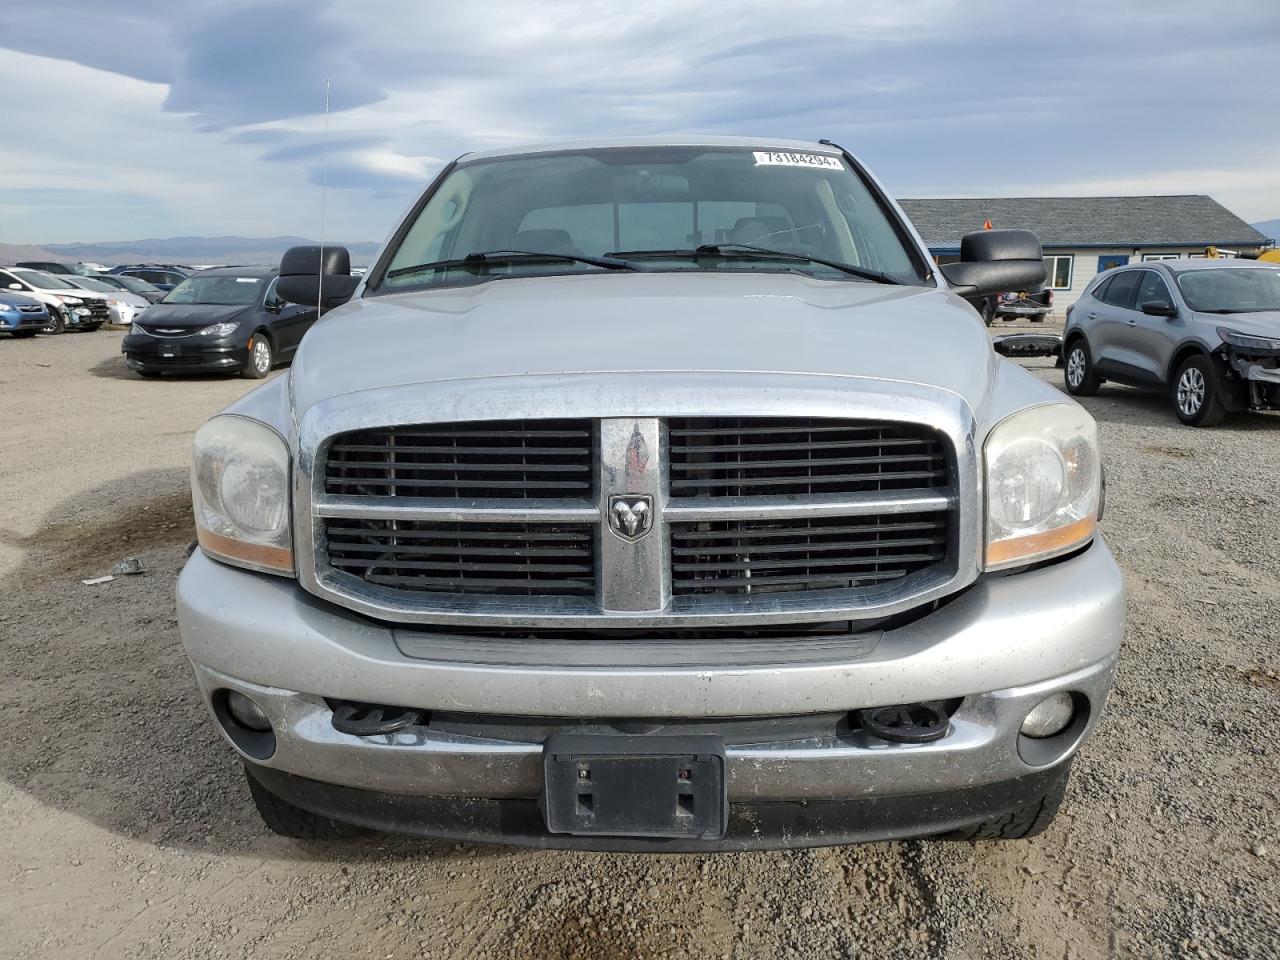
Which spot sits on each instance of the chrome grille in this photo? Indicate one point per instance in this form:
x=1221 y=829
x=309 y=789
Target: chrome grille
x=502 y=559
x=507 y=523
x=751 y=456
x=743 y=557
x=521 y=459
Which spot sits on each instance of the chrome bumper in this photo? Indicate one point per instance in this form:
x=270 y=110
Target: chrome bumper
x=1003 y=646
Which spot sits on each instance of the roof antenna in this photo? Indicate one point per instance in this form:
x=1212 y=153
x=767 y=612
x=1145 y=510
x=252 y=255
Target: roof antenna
x=324 y=187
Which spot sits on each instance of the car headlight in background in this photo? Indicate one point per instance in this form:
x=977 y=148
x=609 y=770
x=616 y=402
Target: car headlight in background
x=1248 y=341
x=6 y=307
x=1043 y=480
x=218 y=330
x=69 y=300
x=240 y=493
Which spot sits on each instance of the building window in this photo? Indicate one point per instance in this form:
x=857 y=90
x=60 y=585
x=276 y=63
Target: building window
x=1058 y=272
x=1148 y=257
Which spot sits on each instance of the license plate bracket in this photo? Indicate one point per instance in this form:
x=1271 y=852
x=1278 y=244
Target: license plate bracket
x=635 y=786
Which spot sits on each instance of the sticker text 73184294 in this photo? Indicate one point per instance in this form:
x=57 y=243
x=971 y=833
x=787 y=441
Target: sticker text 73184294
x=773 y=158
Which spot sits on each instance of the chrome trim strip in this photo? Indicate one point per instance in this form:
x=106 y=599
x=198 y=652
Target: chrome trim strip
x=633 y=575
x=456 y=511
x=689 y=509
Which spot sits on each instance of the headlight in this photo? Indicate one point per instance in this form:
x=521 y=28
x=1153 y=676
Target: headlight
x=82 y=311
x=219 y=330
x=1043 y=480
x=1247 y=340
x=6 y=307
x=66 y=299
x=240 y=492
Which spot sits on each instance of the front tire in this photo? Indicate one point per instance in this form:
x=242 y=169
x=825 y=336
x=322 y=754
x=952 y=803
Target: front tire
x=1077 y=370
x=1022 y=823
x=1197 y=393
x=286 y=820
x=262 y=358
x=57 y=322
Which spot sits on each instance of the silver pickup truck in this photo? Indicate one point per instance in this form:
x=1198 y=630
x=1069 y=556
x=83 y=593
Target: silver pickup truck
x=654 y=494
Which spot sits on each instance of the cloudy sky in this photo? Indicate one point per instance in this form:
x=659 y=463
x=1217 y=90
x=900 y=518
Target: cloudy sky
x=163 y=117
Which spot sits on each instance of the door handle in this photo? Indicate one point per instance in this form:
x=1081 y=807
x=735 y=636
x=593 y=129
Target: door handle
x=1093 y=316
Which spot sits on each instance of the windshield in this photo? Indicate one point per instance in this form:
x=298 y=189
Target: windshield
x=132 y=284
x=1227 y=290
x=227 y=291
x=89 y=283
x=43 y=281
x=642 y=202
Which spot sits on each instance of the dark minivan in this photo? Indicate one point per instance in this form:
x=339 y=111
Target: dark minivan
x=224 y=320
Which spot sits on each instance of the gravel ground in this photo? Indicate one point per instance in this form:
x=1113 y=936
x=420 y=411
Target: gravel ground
x=126 y=829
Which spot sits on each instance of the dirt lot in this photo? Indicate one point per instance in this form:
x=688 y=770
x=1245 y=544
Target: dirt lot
x=126 y=830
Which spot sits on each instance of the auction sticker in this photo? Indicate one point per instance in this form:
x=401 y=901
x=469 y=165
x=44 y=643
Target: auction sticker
x=770 y=158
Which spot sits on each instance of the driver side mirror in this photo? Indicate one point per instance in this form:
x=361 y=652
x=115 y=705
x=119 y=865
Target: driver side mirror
x=15 y=286
x=995 y=260
x=301 y=270
x=1159 y=308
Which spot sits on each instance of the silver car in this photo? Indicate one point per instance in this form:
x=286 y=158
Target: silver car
x=654 y=494
x=1205 y=331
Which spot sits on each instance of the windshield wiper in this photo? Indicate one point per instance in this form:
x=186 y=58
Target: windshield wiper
x=751 y=252
x=498 y=257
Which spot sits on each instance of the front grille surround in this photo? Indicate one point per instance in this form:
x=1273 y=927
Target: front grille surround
x=859 y=600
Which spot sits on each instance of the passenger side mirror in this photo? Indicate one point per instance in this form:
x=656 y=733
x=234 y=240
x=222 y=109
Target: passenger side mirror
x=301 y=269
x=15 y=286
x=992 y=261
x=1159 y=308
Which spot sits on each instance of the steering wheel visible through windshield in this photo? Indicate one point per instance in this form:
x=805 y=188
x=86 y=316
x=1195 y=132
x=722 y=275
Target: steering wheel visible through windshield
x=652 y=208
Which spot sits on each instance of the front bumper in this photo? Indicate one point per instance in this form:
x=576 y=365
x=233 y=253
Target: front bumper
x=1002 y=647
x=183 y=354
x=21 y=320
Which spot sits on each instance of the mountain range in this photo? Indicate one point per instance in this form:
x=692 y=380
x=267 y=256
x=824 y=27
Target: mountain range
x=1268 y=228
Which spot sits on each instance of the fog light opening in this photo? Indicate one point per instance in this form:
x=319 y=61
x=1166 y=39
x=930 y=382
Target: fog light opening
x=247 y=713
x=245 y=723
x=1050 y=716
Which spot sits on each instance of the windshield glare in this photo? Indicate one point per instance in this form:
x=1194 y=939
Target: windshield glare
x=1241 y=290
x=43 y=281
x=640 y=200
x=227 y=291
x=89 y=283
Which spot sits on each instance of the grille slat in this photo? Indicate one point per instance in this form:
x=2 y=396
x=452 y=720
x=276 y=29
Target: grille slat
x=502 y=458
x=743 y=557
x=507 y=559
x=744 y=457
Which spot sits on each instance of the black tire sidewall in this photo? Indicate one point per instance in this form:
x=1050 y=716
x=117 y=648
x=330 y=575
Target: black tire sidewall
x=57 y=321
x=1088 y=381
x=251 y=371
x=1211 y=409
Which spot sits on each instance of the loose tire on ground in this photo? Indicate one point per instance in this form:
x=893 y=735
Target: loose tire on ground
x=262 y=357
x=286 y=820
x=1077 y=369
x=1196 y=393
x=1022 y=823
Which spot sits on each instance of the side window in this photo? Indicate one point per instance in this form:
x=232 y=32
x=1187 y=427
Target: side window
x=1100 y=291
x=1058 y=271
x=270 y=299
x=1120 y=289
x=1152 y=287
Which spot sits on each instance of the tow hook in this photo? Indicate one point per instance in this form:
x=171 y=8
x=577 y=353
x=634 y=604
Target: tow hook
x=907 y=723
x=372 y=719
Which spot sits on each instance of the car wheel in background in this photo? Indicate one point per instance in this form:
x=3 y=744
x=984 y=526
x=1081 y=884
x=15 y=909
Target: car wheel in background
x=261 y=358
x=1077 y=370
x=57 y=322
x=1197 y=394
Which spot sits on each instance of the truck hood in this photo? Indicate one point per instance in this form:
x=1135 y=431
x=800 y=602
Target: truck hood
x=631 y=323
